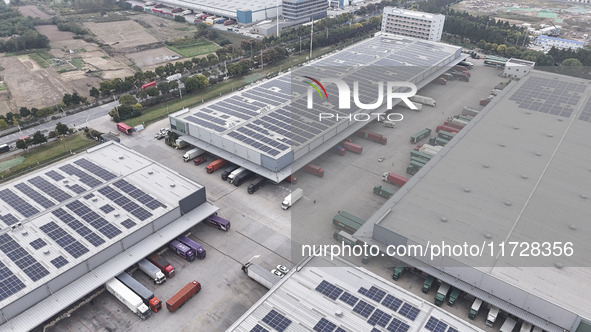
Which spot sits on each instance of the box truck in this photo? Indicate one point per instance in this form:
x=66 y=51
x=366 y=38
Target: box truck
x=260 y=275
x=193 y=153
x=372 y=136
x=420 y=135
x=427 y=284
x=475 y=308
x=234 y=173
x=453 y=296
x=162 y=264
x=253 y=187
x=215 y=165
x=423 y=100
x=394 y=178
x=492 y=316
x=128 y=298
x=355 y=148
x=313 y=169
x=140 y=290
x=293 y=197
x=152 y=271
x=228 y=171
x=182 y=250
x=182 y=296
x=441 y=294
x=383 y=191
x=200 y=252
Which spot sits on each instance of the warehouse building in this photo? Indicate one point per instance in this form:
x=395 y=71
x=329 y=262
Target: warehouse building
x=517 y=68
x=412 y=23
x=335 y=296
x=548 y=42
x=69 y=228
x=518 y=173
x=243 y=11
x=269 y=129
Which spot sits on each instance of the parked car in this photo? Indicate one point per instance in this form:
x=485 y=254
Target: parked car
x=278 y=273
x=282 y=269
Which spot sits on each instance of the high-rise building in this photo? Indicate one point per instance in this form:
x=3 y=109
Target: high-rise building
x=412 y=23
x=300 y=10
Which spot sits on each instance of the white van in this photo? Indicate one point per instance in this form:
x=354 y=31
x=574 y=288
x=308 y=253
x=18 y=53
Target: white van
x=390 y=124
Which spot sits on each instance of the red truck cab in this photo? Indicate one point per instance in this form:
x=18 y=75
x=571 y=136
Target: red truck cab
x=200 y=160
x=162 y=264
x=314 y=169
x=215 y=165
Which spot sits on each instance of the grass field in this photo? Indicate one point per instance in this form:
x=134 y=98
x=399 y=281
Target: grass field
x=3 y=87
x=195 y=48
x=78 y=63
x=40 y=61
x=47 y=153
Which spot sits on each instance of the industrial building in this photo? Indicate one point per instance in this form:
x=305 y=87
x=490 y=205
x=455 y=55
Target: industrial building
x=304 y=10
x=335 y=296
x=269 y=129
x=70 y=227
x=517 y=68
x=412 y=23
x=548 y=42
x=243 y=11
x=517 y=173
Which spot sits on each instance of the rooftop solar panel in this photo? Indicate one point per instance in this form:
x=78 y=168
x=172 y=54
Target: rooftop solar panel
x=349 y=299
x=392 y=302
x=324 y=325
x=59 y=261
x=276 y=320
x=17 y=203
x=258 y=328
x=363 y=308
x=330 y=290
x=409 y=311
x=435 y=325
x=379 y=318
x=397 y=326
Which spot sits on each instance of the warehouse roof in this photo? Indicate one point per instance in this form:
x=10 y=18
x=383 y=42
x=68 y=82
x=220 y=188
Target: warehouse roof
x=519 y=172
x=56 y=218
x=323 y=295
x=228 y=8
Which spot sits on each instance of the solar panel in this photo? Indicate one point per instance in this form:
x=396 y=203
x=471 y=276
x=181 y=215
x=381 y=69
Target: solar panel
x=37 y=244
x=54 y=175
x=110 y=231
x=49 y=188
x=59 y=261
x=380 y=318
x=397 y=326
x=330 y=290
x=128 y=223
x=348 y=298
x=409 y=311
x=435 y=325
x=95 y=169
x=258 y=328
x=17 y=203
x=451 y=329
x=339 y=329
x=363 y=308
x=324 y=325
x=84 y=177
x=35 y=195
x=392 y=302
x=23 y=260
x=276 y=321
x=9 y=219
x=375 y=294
x=66 y=241
x=107 y=208
x=9 y=283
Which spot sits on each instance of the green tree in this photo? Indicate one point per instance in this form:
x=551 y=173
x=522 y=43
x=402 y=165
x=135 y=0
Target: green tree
x=152 y=91
x=141 y=94
x=160 y=71
x=501 y=49
x=572 y=62
x=164 y=87
x=67 y=99
x=61 y=128
x=24 y=112
x=3 y=124
x=94 y=92
x=38 y=138
x=127 y=99
x=23 y=144
x=196 y=82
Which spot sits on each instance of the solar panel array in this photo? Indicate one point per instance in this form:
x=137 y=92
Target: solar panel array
x=363 y=308
x=557 y=97
x=397 y=326
x=78 y=227
x=50 y=189
x=324 y=325
x=21 y=258
x=93 y=219
x=65 y=240
x=435 y=325
x=330 y=290
x=258 y=328
x=392 y=302
x=59 y=261
x=409 y=311
x=349 y=299
x=276 y=320
x=380 y=318
x=373 y=293
x=38 y=244
x=272 y=117
x=9 y=283
x=586 y=112
x=17 y=203
x=452 y=329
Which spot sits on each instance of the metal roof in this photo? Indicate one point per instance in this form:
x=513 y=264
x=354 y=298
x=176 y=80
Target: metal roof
x=223 y=7
x=57 y=219
x=518 y=172
x=333 y=295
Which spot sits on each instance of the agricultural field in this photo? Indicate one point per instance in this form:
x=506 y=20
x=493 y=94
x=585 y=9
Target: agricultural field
x=33 y=11
x=121 y=34
x=194 y=48
x=152 y=58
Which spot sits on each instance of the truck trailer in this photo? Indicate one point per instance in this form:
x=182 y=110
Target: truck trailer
x=162 y=264
x=124 y=128
x=383 y=191
x=260 y=275
x=313 y=169
x=469 y=111
x=234 y=173
x=453 y=296
x=292 y=198
x=398 y=271
x=394 y=178
x=475 y=308
x=215 y=165
x=447 y=128
x=200 y=252
x=128 y=298
x=182 y=250
x=350 y=146
x=253 y=187
x=441 y=294
x=420 y=135
x=152 y=271
x=193 y=153
x=242 y=177
x=508 y=325
x=338 y=149
x=423 y=100
x=492 y=316
x=228 y=171
x=182 y=296
x=140 y=290
x=180 y=143
x=372 y=136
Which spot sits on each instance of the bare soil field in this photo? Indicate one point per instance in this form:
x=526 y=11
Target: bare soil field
x=53 y=33
x=121 y=34
x=33 y=11
x=151 y=57
x=163 y=29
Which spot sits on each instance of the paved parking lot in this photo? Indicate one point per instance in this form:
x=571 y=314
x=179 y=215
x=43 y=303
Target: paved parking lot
x=261 y=227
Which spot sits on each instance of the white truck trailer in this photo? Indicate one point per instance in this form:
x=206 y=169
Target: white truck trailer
x=423 y=100
x=260 y=275
x=152 y=271
x=128 y=297
x=192 y=154
x=293 y=197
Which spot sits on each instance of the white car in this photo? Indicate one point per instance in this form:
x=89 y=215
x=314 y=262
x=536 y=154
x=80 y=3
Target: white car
x=277 y=273
x=282 y=269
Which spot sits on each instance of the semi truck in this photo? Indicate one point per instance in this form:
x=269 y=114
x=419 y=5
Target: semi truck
x=430 y=149
x=215 y=165
x=475 y=308
x=420 y=135
x=492 y=316
x=438 y=141
x=525 y=327
x=199 y=160
x=485 y=101
x=128 y=298
x=453 y=296
x=441 y=294
x=124 y=128
x=423 y=100
x=152 y=271
x=420 y=155
x=345 y=224
x=398 y=270
x=182 y=250
x=292 y=198
x=260 y=274
x=162 y=264
x=193 y=153
x=313 y=169
x=148 y=85
x=228 y=171
x=459 y=122
x=456 y=126
x=234 y=173
x=182 y=296
x=446 y=135
x=508 y=325
x=447 y=128
x=418 y=106
x=200 y=252
x=338 y=149
x=372 y=136
x=140 y=290
x=350 y=146
x=383 y=191
x=413 y=167
x=394 y=178
x=345 y=237
x=469 y=111
x=218 y=222
x=253 y=187
x=174 y=77
x=180 y=143
x=4 y=148
x=427 y=284
x=242 y=177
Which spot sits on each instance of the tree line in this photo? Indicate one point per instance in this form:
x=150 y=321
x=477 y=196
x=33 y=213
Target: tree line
x=19 y=31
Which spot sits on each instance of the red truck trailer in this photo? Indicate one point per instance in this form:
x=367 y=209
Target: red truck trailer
x=291 y=179
x=394 y=178
x=356 y=148
x=162 y=264
x=447 y=128
x=457 y=126
x=215 y=165
x=177 y=10
x=441 y=81
x=182 y=296
x=124 y=128
x=147 y=85
x=339 y=150
x=372 y=136
x=313 y=169
x=461 y=69
x=199 y=160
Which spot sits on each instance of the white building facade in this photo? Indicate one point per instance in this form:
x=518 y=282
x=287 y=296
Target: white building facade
x=412 y=23
x=516 y=68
